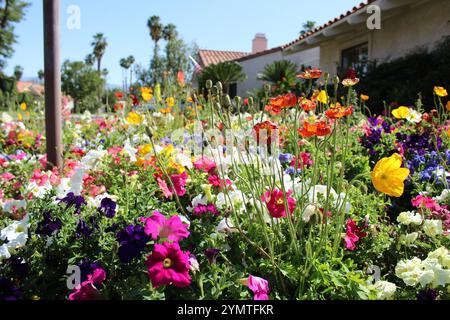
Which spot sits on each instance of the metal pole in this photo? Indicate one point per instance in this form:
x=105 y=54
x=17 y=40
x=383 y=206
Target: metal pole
x=53 y=120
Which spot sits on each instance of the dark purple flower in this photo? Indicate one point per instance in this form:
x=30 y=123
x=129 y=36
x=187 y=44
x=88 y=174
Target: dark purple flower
x=83 y=229
x=8 y=291
x=19 y=266
x=211 y=254
x=132 y=242
x=427 y=295
x=49 y=227
x=108 y=207
x=71 y=200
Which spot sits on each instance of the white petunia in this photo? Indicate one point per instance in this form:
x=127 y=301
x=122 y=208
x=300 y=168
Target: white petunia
x=90 y=160
x=37 y=190
x=385 y=290
x=4 y=252
x=16 y=234
x=184 y=160
x=129 y=150
x=409 y=217
x=226 y=226
x=432 y=228
x=409 y=238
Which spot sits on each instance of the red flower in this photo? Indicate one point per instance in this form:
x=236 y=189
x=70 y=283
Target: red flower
x=337 y=111
x=275 y=202
x=307 y=105
x=353 y=234
x=119 y=95
x=268 y=128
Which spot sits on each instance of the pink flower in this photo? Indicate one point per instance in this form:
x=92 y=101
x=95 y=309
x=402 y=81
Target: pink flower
x=215 y=181
x=429 y=203
x=353 y=235
x=163 y=186
x=305 y=161
x=7 y=176
x=275 y=202
x=203 y=209
x=88 y=290
x=172 y=229
x=179 y=182
x=205 y=164
x=260 y=287
x=168 y=265
x=114 y=150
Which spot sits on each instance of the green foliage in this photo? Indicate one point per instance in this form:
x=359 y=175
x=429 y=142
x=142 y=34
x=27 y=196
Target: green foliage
x=81 y=82
x=281 y=73
x=402 y=79
x=228 y=72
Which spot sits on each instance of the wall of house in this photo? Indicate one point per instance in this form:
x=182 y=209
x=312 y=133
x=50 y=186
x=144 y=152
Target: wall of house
x=255 y=66
x=252 y=67
x=422 y=25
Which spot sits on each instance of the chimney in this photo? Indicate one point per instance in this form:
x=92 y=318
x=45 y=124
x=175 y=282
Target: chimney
x=259 y=43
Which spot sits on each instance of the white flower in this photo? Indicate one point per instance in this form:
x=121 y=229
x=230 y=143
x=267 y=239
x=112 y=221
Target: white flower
x=445 y=194
x=184 y=160
x=39 y=191
x=385 y=290
x=409 y=238
x=199 y=199
x=440 y=276
x=16 y=234
x=90 y=160
x=414 y=116
x=130 y=151
x=310 y=210
x=410 y=217
x=432 y=228
x=6 y=117
x=194 y=266
x=4 y=252
x=226 y=226
x=76 y=182
x=411 y=272
x=443 y=256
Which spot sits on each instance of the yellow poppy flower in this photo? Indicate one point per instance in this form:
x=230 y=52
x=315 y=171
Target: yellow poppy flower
x=388 y=177
x=441 y=92
x=401 y=113
x=170 y=102
x=19 y=117
x=144 y=150
x=23 y=106
x=322 y=97
x=134 y=118
x=448 y=106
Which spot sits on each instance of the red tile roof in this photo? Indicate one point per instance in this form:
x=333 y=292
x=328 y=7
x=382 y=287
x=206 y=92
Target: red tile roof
x=208 y=57
x=331 y=22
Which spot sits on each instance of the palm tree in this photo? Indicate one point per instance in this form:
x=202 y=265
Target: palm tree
x=127 y=63
x=90 y=59
x=156 y=33
x=281 y=73
x=99 y=45
x=18 y=72
x=226 y=72
x=41 y=75
x=307 y=27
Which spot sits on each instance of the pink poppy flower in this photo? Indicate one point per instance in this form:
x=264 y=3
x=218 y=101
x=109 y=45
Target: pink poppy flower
x=275 y=203
x=353 y=235
x=88 y=290
x=172 y=229
x=7 y=176
x=168 y=265
x=260 y=287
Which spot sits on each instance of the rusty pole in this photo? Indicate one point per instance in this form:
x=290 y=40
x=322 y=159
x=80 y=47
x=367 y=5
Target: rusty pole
x=53 y=120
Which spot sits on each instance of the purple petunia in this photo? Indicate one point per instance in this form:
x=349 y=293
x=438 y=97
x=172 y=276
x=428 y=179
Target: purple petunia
x=48 y=227
x=8 y=291
x=108 y=207
x=71 y=200
x=132 y=240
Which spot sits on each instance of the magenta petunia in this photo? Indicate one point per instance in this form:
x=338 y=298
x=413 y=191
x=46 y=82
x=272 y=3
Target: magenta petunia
x=275 y=202
x=205 y=164
x=260 y=287
x=353 y=235
x=179 y=183
x=88 y=290
x=169 y=265
x=172 y=229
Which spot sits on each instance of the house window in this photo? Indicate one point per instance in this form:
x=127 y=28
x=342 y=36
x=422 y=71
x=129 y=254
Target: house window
x=355 y=57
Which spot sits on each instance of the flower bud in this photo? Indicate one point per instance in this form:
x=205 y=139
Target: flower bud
x=238 y=100
x=209 y=84
x=219 y=85
x=226 y=101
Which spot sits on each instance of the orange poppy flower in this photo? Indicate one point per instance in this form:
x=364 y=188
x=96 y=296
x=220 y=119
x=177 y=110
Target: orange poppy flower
x=337 y=111
x=286 y=101
x=273 y=110
x=318 y=129
x=307 y=105
x=309 y=74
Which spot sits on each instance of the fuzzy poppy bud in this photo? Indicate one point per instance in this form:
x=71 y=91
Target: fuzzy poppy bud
x=149 y=132
x=237 y=100
x=219 y=85
x=226 y=101
x=209 y=84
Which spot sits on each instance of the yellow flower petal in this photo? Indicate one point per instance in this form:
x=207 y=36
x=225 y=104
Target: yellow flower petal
x=388 y=177
x=401 y=113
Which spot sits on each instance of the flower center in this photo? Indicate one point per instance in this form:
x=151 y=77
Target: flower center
x=167 y=263
x=280 y=201
x=384 y=176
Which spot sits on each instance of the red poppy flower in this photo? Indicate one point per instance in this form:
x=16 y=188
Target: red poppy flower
x=269 y=129
x=285 y=101
x=119 y=95
x=307 y=105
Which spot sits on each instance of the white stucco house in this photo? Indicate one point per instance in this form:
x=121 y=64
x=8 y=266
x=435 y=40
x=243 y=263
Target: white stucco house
x=375 y=30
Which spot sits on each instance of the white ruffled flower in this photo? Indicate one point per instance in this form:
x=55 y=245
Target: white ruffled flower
x=6 y=117
x=385 y=290
x=89 y=161
x=414 y=116
x=409 y=239
x=39 y=191
x=445 y=195
x=16 y=234
x=310 y=211
x=226 y=226
x=184 y=160
x=4 y=253
x=129 y=150
x=412 y=272
x=409 y=217
x=432 y=228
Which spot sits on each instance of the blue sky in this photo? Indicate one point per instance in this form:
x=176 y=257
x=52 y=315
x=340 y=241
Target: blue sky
x=212 y=24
